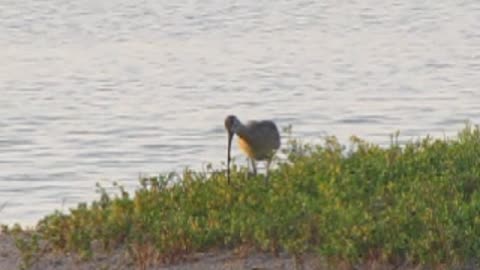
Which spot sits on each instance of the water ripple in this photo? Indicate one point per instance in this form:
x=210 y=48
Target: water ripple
x=105 y=91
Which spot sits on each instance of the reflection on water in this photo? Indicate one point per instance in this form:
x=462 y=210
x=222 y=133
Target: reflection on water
x=104 y=90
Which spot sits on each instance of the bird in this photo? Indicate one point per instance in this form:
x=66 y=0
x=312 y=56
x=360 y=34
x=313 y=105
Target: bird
x=259 y=140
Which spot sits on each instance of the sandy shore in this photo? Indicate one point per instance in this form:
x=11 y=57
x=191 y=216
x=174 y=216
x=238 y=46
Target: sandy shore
x=9 y=255
x=10 y=259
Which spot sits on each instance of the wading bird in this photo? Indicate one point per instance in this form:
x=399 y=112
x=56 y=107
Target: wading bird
x=259 y=140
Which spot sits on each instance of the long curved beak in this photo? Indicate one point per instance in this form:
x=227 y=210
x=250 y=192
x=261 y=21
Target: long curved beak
x=230 y=137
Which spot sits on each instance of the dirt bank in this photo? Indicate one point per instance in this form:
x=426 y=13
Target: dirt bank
x=10 y=259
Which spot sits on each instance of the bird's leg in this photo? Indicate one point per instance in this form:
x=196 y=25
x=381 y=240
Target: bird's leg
x=254 y=166
x=267 y=170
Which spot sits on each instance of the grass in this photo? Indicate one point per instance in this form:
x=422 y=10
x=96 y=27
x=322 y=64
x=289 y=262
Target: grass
x=415 y=204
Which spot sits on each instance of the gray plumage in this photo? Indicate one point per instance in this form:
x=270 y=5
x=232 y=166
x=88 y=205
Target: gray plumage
x=259 y=140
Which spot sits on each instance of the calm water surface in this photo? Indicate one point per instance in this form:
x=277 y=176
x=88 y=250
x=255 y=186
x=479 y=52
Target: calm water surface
x=97 y=91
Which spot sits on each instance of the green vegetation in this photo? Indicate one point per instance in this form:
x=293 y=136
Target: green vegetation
x=417 y=204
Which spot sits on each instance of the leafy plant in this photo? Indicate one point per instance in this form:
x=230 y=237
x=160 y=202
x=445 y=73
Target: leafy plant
x=416 y=204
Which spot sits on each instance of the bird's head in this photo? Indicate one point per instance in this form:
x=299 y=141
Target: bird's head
x=231 y=124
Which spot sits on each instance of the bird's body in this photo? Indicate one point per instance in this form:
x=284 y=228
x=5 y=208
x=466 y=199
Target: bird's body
x=259 y=140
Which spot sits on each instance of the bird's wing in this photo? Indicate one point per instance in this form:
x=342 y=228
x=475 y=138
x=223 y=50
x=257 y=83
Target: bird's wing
x=264 y=134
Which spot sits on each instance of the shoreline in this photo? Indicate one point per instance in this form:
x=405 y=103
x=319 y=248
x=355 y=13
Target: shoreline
x=239 y=259
x=10 y=258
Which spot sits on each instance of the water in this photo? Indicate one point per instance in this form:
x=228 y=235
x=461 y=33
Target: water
x=98 y=91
